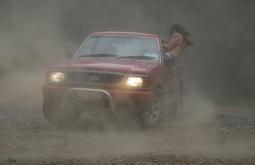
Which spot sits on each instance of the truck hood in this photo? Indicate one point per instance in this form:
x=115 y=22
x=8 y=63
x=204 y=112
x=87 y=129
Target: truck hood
x=110 y=65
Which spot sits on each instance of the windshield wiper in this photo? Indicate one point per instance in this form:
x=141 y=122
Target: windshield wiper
x=98 y=55
x=138 y=57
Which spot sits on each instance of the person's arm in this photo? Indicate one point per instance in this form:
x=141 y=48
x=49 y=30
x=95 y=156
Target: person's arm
x=168 y=59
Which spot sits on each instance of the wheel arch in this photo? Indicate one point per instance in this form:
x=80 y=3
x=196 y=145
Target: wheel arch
x=160 y=88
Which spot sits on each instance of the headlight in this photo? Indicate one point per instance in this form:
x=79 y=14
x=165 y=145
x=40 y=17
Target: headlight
x=57 y=77
x=134 y=81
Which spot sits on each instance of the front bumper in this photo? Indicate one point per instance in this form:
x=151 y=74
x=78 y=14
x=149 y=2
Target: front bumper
x=115 y=97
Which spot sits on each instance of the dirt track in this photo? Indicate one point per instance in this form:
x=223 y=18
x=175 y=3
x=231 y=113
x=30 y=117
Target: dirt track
x=216 y=136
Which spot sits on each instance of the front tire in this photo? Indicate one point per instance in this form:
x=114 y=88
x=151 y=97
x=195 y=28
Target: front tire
x=61 y=114
x=153 y=112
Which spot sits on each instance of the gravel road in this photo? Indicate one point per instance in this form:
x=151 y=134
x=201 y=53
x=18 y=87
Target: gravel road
x=199 y=134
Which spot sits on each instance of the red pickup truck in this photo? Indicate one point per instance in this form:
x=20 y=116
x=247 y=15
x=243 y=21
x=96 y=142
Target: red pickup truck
x=109 y=70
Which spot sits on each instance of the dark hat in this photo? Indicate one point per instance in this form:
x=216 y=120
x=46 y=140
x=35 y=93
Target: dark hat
x=175 y=28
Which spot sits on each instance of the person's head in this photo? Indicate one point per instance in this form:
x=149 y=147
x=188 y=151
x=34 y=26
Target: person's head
x=179 y=37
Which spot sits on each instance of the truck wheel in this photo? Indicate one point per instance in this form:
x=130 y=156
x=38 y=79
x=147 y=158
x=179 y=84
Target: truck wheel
x=153 y=112
x=61 y=115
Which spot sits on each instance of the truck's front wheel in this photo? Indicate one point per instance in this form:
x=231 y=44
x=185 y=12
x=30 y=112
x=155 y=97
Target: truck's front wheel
x=61 y=114
x=153 y=112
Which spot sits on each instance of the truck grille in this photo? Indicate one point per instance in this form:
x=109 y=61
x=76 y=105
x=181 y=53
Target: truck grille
x=93 y=77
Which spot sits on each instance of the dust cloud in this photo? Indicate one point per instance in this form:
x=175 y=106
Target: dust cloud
x=36 y=34
x=30 y=41
x=196 y=119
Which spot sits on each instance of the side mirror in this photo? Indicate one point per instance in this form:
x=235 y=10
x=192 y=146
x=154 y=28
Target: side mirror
x=168 y=60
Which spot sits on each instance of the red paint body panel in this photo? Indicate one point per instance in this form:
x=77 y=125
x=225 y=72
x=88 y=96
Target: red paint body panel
x=125 y=34
x=109 y=64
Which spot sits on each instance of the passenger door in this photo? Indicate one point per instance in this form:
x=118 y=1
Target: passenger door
x=173 y=81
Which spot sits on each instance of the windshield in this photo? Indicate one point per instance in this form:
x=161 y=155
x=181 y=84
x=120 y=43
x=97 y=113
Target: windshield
x=120 y=47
